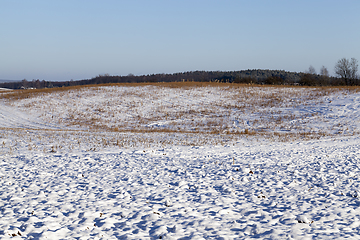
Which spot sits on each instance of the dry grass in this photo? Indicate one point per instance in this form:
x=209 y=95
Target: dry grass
x=50 y=141
x=265 y=105
x=27 y=93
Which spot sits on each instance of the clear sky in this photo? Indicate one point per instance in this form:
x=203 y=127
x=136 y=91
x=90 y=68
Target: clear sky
x=79 y=39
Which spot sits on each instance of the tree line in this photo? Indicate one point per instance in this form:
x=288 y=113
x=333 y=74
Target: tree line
x=345 y=70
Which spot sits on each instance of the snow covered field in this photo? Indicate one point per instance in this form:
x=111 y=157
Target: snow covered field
x=152 y=162
x=211 y=109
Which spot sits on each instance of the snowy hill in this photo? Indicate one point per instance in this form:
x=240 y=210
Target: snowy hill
x=176 y=163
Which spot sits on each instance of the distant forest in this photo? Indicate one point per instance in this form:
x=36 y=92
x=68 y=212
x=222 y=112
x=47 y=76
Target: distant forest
x=272 y=77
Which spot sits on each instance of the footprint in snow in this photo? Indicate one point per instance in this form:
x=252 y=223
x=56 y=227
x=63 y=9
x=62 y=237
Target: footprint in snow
x=303 y=219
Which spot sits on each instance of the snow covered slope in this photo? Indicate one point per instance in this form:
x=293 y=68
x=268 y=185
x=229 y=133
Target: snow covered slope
x=202 y=109
x=12 y=117
x=77 y=184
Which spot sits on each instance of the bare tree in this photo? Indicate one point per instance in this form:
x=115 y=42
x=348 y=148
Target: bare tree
x=354 y=69
x=347 y=70
x=311 y=70
x=324 y=72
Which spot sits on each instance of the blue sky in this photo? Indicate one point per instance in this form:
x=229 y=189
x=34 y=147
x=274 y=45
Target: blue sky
x=79 y=39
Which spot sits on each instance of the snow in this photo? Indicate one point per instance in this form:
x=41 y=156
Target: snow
x=63 y=180
x=207 y=109
x=5 y=89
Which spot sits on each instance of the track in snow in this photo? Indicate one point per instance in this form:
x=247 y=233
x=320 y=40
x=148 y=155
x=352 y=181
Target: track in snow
x=11 y=117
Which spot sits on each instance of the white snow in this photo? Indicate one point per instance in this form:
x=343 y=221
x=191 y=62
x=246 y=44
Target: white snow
x=206 y=109
x=5 y=89
x=61 y=180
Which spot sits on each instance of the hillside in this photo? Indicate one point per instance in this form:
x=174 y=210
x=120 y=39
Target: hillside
x=180 y=161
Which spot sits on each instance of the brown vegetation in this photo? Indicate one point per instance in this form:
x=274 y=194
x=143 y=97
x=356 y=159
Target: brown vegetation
x=27 y=93
x=256 y=100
